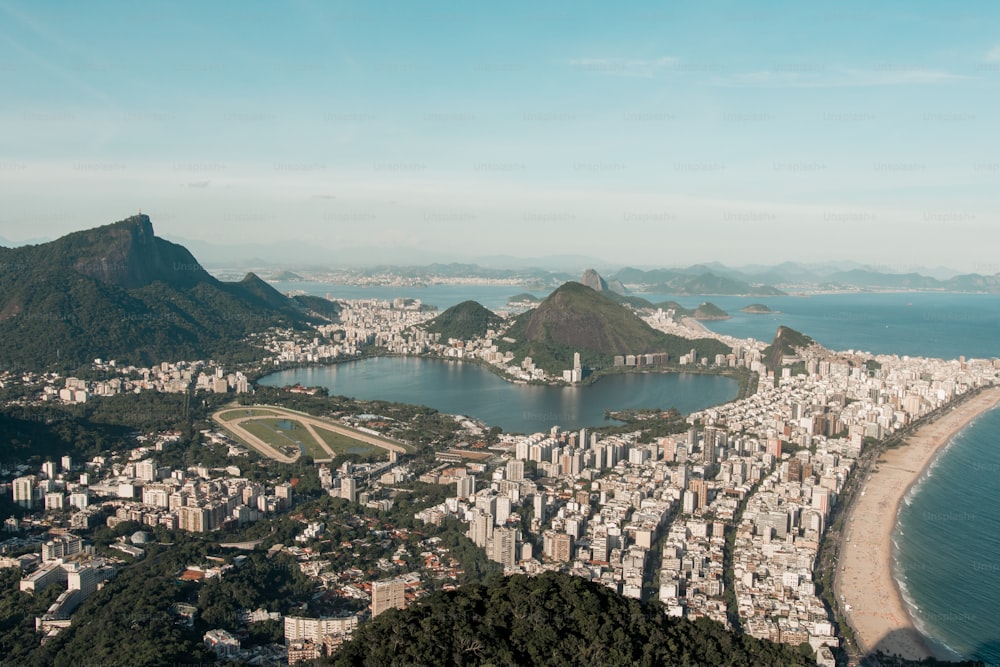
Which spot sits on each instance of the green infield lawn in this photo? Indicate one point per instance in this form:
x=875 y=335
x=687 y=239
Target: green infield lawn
x=281 y=433
x=342 y=444
x=238 y=413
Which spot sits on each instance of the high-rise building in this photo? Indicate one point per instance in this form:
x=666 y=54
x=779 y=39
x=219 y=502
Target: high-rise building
x=599 y=548
x=481 y=529
x=778 y=521
x=298 y=628
x=689 y=499
x=486 y=503
x=283 y=492
x=522 y=449
x=55 y=500
x=24 y=491
x=86 y=578
x=146 y=470
x=390 y=594
x=562 y=547
x=680 y=476
x=793 y=473
x=503 y=508
x=504 y=547
x=515 y=470
x=193 y=519
x=774 y=447
x=61 y=547
x=821 y=499
x=79 y=499
x=465 y=487
x=178 y=499
x=669 y=449
x=599 y=457
x=349 y=489
x=539 y=506
x=700 y=489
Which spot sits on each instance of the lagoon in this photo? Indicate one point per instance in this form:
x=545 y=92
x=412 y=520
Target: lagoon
x=467 y=388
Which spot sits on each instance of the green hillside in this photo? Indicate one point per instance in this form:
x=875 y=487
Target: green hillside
x=709 y=311
x=325 y=308
x=464 y=321
x=551 y=619
x=787 y=342
x=120 y=292
x=575 y=318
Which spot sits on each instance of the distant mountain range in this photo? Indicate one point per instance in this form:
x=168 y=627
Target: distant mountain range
x=120 y=292
x=706 y=278
x=825 y=277
x=695 y=280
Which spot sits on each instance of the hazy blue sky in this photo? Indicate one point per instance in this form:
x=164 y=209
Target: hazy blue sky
x=656 y=133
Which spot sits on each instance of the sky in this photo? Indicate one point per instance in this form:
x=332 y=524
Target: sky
x=653 y=134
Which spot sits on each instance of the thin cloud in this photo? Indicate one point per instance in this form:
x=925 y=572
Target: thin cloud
x=885 y=75
x=993 y=55
x=631 y=67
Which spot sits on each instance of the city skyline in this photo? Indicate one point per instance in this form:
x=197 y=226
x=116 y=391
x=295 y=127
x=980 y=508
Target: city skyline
x=643 y=136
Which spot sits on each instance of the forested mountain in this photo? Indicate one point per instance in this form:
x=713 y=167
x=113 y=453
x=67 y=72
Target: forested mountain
x=551 y=619
x=787 y=343
x=464 y=321
x=575 y=318
x=120 y=292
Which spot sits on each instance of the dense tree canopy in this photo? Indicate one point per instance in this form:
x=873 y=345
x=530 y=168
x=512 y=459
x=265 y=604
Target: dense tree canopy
x=552 y=619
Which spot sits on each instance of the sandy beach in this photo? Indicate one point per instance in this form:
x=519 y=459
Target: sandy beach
x=864 y=578
x=695 y=325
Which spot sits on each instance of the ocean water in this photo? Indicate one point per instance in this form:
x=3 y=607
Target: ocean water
x=947 y=556
x=916 y=324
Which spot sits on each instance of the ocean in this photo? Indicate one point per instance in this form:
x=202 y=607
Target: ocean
x=947 y=544
x=947 y=539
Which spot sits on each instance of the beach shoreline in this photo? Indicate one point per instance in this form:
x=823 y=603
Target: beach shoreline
x=864 y=579
x=695 y=325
